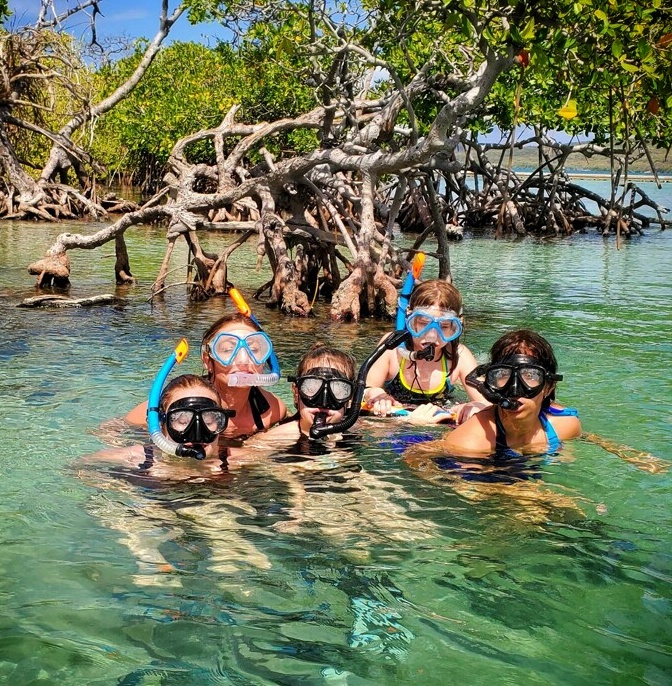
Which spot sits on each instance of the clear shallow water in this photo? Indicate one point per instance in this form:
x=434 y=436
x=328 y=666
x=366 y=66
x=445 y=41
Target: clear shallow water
x=382 y=576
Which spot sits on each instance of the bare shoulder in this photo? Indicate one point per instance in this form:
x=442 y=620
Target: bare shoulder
x=138 y=415
x=566 y=427
x=476 y=436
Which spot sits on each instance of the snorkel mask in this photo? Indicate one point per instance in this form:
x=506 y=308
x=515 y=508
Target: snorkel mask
x=196 y=420
x=517 y=376
x=324 y=387
x=447 y=326
x=257 y=345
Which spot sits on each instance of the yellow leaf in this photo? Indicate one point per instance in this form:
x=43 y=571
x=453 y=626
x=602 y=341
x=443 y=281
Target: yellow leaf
x=568 y=110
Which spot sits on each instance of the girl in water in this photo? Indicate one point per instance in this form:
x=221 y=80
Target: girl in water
x=190 y=415
x=425 y=377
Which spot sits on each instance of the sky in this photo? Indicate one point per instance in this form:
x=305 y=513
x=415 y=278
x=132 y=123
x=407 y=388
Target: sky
x=128 y=18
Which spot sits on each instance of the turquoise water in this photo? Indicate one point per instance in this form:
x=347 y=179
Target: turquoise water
x=381 y=574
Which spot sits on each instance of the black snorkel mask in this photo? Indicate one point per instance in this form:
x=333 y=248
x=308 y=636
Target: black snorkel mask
x=517 y=376
x=197 y=421
x=320 y=428
x=324 y=387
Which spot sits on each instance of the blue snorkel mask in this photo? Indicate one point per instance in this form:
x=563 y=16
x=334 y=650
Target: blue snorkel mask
x=447 y=326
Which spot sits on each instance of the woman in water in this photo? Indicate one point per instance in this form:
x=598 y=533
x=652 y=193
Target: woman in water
x=520 y=381
x=425 y=376
x=235 y=346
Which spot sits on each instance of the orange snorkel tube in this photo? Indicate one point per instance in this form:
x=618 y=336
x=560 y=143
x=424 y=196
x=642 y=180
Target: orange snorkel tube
x=243 y=378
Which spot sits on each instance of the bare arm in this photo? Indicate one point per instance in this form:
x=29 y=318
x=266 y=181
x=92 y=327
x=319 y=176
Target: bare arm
x=138 y=415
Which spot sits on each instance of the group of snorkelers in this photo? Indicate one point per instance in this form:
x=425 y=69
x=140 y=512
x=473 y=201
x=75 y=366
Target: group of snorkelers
x=413 y=372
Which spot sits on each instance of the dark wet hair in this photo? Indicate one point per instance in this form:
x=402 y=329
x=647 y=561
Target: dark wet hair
x=321 y=355
x=439 y=293
x=526 y=342
x=186 y=381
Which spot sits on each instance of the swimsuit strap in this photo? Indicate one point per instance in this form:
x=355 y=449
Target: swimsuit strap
x=501 y=445
x=149 y=457
x=562 y=411
x=259 y=405
x=554 y=443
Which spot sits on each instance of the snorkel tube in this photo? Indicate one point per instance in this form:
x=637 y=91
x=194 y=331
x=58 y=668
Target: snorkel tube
x=403 y=303
x=243 y=378
x=406 y=290
x=319 y=429
x=162 y=442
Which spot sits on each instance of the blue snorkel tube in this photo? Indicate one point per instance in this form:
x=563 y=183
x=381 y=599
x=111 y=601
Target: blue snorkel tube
x=407 y=288
x=162 y=442
x=403 y=303
x=243 y=379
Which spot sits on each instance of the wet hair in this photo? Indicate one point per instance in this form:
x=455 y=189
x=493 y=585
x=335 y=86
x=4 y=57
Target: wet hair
x=439 y=293
x=186 y=381
x=526 y=342
x=321 y=355
x=236 y=318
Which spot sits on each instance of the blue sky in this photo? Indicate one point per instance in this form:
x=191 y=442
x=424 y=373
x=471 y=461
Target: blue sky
x=129 y=18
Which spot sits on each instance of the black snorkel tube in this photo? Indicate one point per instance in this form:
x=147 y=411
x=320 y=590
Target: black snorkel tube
x=162 y=442
x=320 y=428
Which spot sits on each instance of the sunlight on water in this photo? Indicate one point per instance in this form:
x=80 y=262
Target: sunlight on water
x=377 y=574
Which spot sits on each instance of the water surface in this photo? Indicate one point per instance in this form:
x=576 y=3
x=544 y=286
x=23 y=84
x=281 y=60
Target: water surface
x=381 y=574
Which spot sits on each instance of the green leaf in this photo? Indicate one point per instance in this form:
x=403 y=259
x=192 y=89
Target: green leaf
x=601 y=15
x=527 y=33
x=633 y=69
x=617 y=48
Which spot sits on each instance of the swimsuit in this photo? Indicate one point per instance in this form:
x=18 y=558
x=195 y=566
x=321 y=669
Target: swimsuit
x=554 y=443
x=506 y=465
x=399 y=389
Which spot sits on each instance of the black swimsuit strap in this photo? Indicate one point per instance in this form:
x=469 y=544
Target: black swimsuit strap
x=259 y=405
x=500 y=441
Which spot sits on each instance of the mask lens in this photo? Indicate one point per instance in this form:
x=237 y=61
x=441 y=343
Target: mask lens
x=179 y=420
x=531 y=377
x=498 y=377
x=215 y=420
x=310 y=386
x=341 y=390
x=259 y=347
